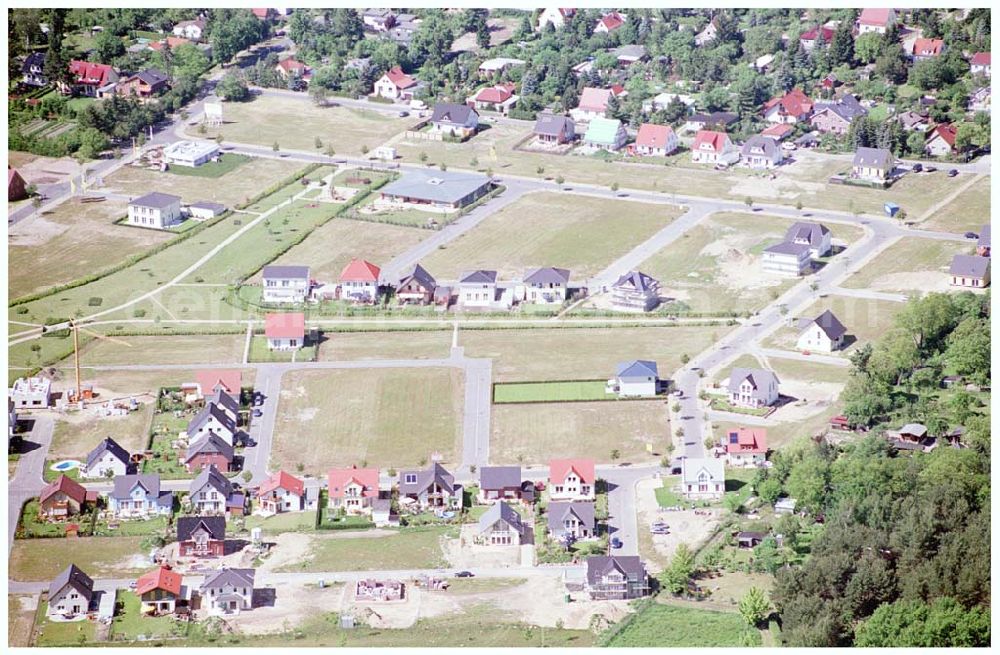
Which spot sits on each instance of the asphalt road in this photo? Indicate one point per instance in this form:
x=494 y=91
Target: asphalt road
x=27 y=482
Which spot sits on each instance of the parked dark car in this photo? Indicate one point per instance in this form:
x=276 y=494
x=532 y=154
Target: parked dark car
x=916 y=168
x=971 y=235
x=465 y=574
x=257 y=413
x=953 y=172
x=930 y=169
x=616 y=542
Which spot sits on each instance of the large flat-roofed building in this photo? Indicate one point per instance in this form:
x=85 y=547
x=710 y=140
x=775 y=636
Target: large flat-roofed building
x=442 y=189
x=156 y=210
x=190 y=153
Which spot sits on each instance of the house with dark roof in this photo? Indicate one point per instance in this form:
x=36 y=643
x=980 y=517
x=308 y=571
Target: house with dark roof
x=378 y=19
x=637 y=378
x=155 y=210
x=571 y=521
x=209 y=450
x=814 y=235
x=215 y=420
x=228 y=403
x=716 y=120
x=836 y=116
x=913 y=121
x=873 y=164
x=477 y=289
x=503 y=483
x=445 y=190
x=108 y=459
x=212 y=493
x=761 y=152
x=63 y=497
x=285 y=284
x=139 y=496
x=629 y=54
x=228 y=591
x=746 y=446
x=786 y=258
x=983 y=243
x=616 y=577
x=201 y=536
x=33 y=70
x=70 y=594
x=454 y=119
x=546 y=286
x=825 y=333
x=431 y=488
x=160 y=590
x=416 y=287
x=752 y=387
x=970 y=271
x=572 y=479
x=550 y=128
x=352 y=490
x=501 y=525
x=635 y=292
x=190 y=29
x=144 y=84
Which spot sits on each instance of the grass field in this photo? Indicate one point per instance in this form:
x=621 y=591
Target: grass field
x=385 y=345
x=385 y=417
x=201 y=349
x=75 y=438
x=265 y=121
x=582 y=353
x=129 y=624
x=34 y=560
x=523 y=392
x=968 y=212
x=20 y=620
x=51 y=633
x=284 y=522
x=413 y=548
x=228 y=162
x=259 y=352
x=910 y=264
x=865 y=320
x=534 y=433
x=546 y=229
x=660 y=625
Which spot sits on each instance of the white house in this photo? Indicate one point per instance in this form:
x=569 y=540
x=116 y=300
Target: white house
x=228 y=591
x=285 y=284
x=395 y=85
x=635 y=292
x=70 y=593
x=655 y=140
x=572 y=479
x=746 y=447
x=786 y=258
x=979 y=64
x=571 y=521
x=212 y=419
x=501 y=525
x=190 y=153
x=477 y=289
x=712 y=147
x=707 y=35
x=875 y=20
x=454 y=119
x=814 y=235
x=752 y=387
x=703 y=478
x=825 y=333
x=190 y=29
x=139 y=496
x=558 y=17
x=285 y=331
x=761 y=152
x=546 y=286
x=107 y=460
x=636 y=378
x=282 y=492
x=156 y=210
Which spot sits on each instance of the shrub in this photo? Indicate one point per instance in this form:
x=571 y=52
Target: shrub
x=95 y=301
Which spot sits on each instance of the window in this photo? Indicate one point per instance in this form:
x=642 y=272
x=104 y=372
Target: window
x=410 y=478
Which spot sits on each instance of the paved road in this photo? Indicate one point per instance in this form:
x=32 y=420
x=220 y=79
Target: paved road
x=478 y=403
x=27 y=481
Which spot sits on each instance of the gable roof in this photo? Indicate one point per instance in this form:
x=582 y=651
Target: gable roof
x=945 y=131
x=87 y=72
x=594 y=99
x=150 y=76
x=478 y=277
x=969 y=266
x=210 y=444
x=450 y=112
x=777 y=130
x=603 y=130
x=500 y=512
x=980 y=59
x=419 y=275
x=722 y=118
x=637 y=280
x=35 y=59
x=398 y=78
x=291 y=64
x=807 y=231
x=212 y=478
x=225 y=401
x=72 y=575
x=692 y=466
x=282 y=480
x=599 y=566
x=208 y=380
x=285 y=326
x=159 y=578
x=496 y=94
x=338 y=479
x=499 y=477
x=637 y=368
x=984 y=236
x=759 y=143
x=107 y=445
x=878 y=17
x=847 y=108
x=830 y=325
x=812 y=34
x=552 y=125
x=558 y=511
x=560 y=468
x=70 y=487
x=715 y=141
x=124 y=484
x=788 y=248
x=877 y=157
x=359 y=270
x=653 y=136
x=758 y=377
x=927 y=47
x=611 y=21
x=548 y=275
x=746 y=440
x=210 y=411
x=286 y=272
x=229 y=577
x=214 y=525
x=425 y=478
x=793 y=103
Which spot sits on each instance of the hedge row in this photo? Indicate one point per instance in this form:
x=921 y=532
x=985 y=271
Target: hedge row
x=277 y=186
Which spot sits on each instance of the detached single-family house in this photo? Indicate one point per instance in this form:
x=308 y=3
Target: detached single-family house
x=212 y=419
x=550 y=128
x=707 y=35
x=285 y=284
x=499 y=98
x=761 y=152
x=873 y=164
x=416 y=287
x=144 y=84
x=546 y=286
x=793 y=107
x=571 y=521
x=979 y=64
x=814 y=235
x=293 y=68
x=201 y=536
x=593 y=103
x=190 y=29
x=636 y=378
x=717 y=120
x=983 y=243
x=395 y=85
x=285 y=331
x=159 y=590
x=572 y=479
x=33 y=70
x=352 y=489
x=34 y=392
x=940 y=140
x=752 y=387
x=108 y=459
x=139 y=496
x=378 y=20
x=90 y=79
x=209 y=450
x=926 y=48
x=811 y=37
x=703 y=478
x=477 y=289
x=616 y=577
x=211 y=493
x=980 y=100
x=70 y=594
x=62 y=498
x=156 y=210
x=227 y=591
x=746 y=446
x=655 y=140
x=787 y=258
x=836 y=117
x=636 y=292
x=609 y=23
x=359 y=281
x=491 y=67
x=875 y=20
x=711 y=147
x=503 y=483
x=433 y=487
x=210 y=381
x=970 y=271
x=454 y=119
x=912 y=121
x=605 y=134
x=825 y=333
x=501 y=525
x=558 y=17
x=439 y=189
x=282 y=492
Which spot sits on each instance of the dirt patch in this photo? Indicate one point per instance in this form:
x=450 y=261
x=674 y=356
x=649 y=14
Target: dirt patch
x=738 y=269
x=541 y=601
x=925 y=281
x=463 y=552
x=294 y=547
x=34 y=231
x=813 y=398
x=292 y=604
x=685 y=526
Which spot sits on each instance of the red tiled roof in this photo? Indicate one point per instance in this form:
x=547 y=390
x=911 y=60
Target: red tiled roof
x=291 y=64
x=358 y=270
x=86 y=72
x=928 y=47
x=260 y=13
x=617 y=89
x=230 y=380
x=878 y=17
x=778 y=131
x=793 y=103
x=748 y=440
x=560 y=468
x=70 y=487
x=172 y=41
x=400 y=79
x=716 y=140
x=946 y=131
x=282 y=480
x=980 y=59
x=653 y=136
x=612 y=21
x=338 y=479
x=159 y=578
x=285 y=326
x=594 y=99
x=811 y=35
x=496 y=94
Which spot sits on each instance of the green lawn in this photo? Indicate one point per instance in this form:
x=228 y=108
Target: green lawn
x=166 y=460
x=673 y=626
x=411 y=548
x=967 y=212
x=227 y=163
x=666 y=496
x=910 y=264
x=523 y=392
x=51 y=633
x=33 y=560
x=284 y=522
x=259 y=352
x=31 y=526
x=132 y=528
x=129 y=623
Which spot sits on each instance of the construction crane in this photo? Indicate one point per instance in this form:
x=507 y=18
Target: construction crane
x=73 y=325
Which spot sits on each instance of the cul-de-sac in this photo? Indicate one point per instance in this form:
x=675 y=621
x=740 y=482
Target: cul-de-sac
x=592 y=327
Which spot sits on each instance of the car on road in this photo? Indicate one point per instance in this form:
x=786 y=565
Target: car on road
x=257 y=413
x=916 y=168
x=953 y=172
x=971 y=235
x=465 y=574
x=678 y=394
x=616 y=542
x=567 y=188
x=404 y=114
x=930 y=169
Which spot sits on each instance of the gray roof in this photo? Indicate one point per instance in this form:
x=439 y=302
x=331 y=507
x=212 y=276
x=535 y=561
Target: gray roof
x=557 y=512
x=452 y=112
x=638 y=280
x=638 y=368
x=124 y=484
x=286 y=272
x=807 y=231
x=156 y=200
x=419 y=275
x=34 y=59
x=500 y=512
x=425 y=478
x=478 y=277
x=225 y=401
x=916 y=429
x=761 y=143
x=217 y=207
x=152 y=76
x=984 y=237
x=830 y=325
x=73 y=576
x=547 y=275
x=807 y=139
x=599 y=566
x=436 y=186
x=212 y=477
x=714 y=118
x=759 y=378
x=969 y=266
x=630 y=51
x=211 y=410
x=847 y=108
x=553 y=125
x=107 y=445
x=233 y=577
x=788 y=248
x=877 y=157
x=209 y=444
x=499 y=477
x=215 y=525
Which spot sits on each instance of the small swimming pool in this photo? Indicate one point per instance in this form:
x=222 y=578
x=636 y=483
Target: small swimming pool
x=65 y=465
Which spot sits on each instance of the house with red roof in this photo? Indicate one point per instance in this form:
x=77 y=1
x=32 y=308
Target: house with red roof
x=809 y=38
x=609 y=23
x=358 y=281
x=793 y=107
x=594 y=102
x=940 y=140
x=264 y=13
x=746 y=446
x=926 y=49
x=172 y=42
x=875 y=20
x=17 y=189
x=395 y=85
x=62 y=498
x=160 y=590
x=291 y=67
x=208 y=381
x=90 y=79
x=282 y=492
x=711 y=147
x=572 y=479
x=499 y=98
x=655 y=140
x=979 y=64
x=352 y=490
x=285 y=331
x=778 y=131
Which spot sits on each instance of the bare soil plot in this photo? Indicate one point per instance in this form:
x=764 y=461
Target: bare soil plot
x=199 y=349
x=295 y=124
x=582 y=234
x=129 y=382
x=76 y=434
x=413 y=548
x=33 y=560
x=340 y=346
x=685 y=527
x=910 y=264
x=539 y=432
x=42 y=170
x=20 y=619
x=864 y=318
x=782 y=433
x=382 y=417
x=968 y=212
x=293 y=604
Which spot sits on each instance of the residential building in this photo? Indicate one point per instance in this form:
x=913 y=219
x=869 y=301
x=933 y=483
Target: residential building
x=970 y=271
x=546 y=286
x=352 y=490
x=812 y=36
x=617 y=577
x=144 y=84
x=432 y=488
x=211 y=493
x=761 y=152
x=70 y=594
x=836 y=117
x=593 y=103
x=156 y=210
x=746 y=446
x=635 y=291
x=212 y=419
x=825 y=333
x=980 y=100
x=90 y=79
x=793 y=107
x=703 y=478
x=717 y=120
x=403 y=30
x=875 y=20
x=711 y=147
x=17 y=188
x=491 y=67
x=62 y=498
x=33 y=70
x=209 y=450
x=139 y=496
x=571 y=521
x=190 y=153
x=662 y=100
x=814 y=235
x=786 y=258
x=707 y=35
x=501 y=525
x=30 y=393
x=228 y=591
x=499 y=98
x=359 y=281
x=395 y=85
x=293 y=68
x=190 y=29
x=285 y=284
x=979 y=64
x=107 y=460
x=477 y=289
x=914 y=121
x=752 y=387
x=557 y=17
x=416 y=287
x=504 y=483
x=285 y=331
x=551 y=128
x=635 y=378
x=378 y=20
x=159 y=590
x=655 y=140
x=609 y=23
x=926 y=48
x=873 y=164
x=201 y=536
x=777 y=131
x=282 y=492
x=626 y=55
x=204 y=210
x=445 y=190
x=983 y=243
x=209 y=381
x=940 y=140
x=228 y=403
x=455 y=120
x=572 y=479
